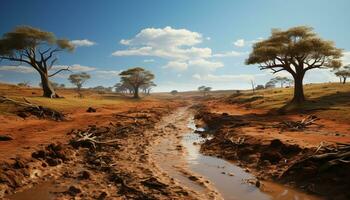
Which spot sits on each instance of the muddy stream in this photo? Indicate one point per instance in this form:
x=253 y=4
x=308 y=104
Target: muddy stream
x=204 y=173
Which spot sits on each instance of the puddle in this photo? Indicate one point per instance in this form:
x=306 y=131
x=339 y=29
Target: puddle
x=229 y=179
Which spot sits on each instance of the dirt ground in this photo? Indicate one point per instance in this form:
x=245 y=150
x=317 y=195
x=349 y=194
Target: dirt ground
x=257 y=140
x=118 y=152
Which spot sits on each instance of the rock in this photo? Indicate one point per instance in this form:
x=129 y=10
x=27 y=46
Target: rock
x=91 y=109
x=19 y=163
x=272 y=156
x=5 y=138
x=102 y=196
x=85 y=175
x=193 y=178
x=230 y=174
x=73 y=191
x=257 y=183
x=276 y=143
x=39 y=154
x=53 y=161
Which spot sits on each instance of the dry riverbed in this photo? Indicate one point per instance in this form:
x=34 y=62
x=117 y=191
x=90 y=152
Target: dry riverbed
x=151 y=152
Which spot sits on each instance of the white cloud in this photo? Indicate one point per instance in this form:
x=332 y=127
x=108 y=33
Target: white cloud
x=230 y=54
x=108 y=73
x=203 y=64
x=74 y=68
x=239 y=43
x=208 y=38
x=346 y=58
x=175 y=45
x=227 y=77
x=82 y=43
x=148 y=60
x=19 y=68
x=177 y=65
x=242 y=42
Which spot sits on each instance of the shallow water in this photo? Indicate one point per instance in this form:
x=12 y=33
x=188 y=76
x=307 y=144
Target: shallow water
x=229 y=179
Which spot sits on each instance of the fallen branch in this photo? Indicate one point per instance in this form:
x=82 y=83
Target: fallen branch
x=298 y=125
x=84 y=138
x=39 y=111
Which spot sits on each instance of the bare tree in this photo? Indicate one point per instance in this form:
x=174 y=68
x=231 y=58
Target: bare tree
x=253 y=86
x=296 y=50
x=37 y=49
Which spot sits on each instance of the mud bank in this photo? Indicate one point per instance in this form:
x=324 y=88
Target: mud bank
x=100 y=162
x=308 y=169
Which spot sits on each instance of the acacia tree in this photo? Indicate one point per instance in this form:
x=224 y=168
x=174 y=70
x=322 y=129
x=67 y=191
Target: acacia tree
x=136 y=78
x=343 y=73
x=78 y=80
x=146 y=88
x=174 y=92
x=36 y=48
x=270 y=84
x=282 y=80
x=296 y=50
x=204 y=89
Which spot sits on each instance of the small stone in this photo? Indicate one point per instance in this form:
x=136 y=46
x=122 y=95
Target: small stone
x=230 y=174
x=257 y=183
x=73 y=191
x=91 y=109
x=102 y=196
x=53 y=162
x=193 y=178
x=85 y=175
x=5 y=138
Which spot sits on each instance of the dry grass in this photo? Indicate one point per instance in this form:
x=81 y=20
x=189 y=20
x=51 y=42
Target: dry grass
x=69 y=102
x=330 y=100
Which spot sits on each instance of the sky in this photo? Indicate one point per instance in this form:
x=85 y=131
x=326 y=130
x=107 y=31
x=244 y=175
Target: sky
x=185 y=43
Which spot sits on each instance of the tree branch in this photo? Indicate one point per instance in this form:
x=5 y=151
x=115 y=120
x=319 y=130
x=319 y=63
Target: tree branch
x=66 y=69
x=51 y=54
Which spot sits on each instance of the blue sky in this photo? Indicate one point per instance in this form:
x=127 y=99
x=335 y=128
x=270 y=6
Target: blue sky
x=186 y=43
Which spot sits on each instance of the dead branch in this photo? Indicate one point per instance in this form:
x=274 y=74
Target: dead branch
x=89 y=138
x=298 y=125
x=33 y=109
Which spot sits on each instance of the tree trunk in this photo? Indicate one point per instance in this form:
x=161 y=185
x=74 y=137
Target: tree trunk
x=136 y=92
x=298 y=89
x=344 y=80
x=47 y=87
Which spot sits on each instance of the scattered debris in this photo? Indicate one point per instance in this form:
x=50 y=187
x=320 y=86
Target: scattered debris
x=298 y=125
x=33 y=109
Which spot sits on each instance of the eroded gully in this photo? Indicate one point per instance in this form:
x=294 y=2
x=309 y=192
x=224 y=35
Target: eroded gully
x=177 y=155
